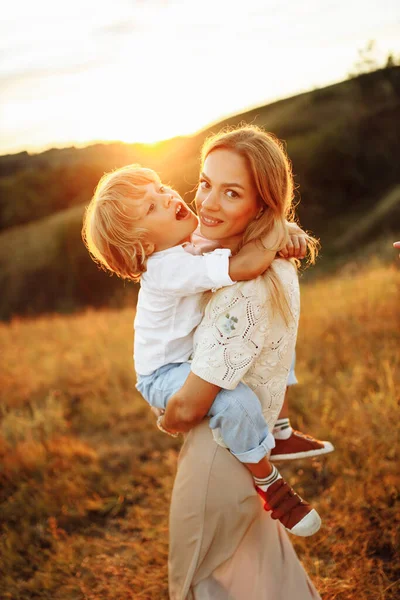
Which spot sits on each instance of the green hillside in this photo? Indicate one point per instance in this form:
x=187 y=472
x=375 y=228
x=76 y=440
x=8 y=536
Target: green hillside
x=344 y=142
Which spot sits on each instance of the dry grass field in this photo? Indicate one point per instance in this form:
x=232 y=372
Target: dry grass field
x=85 y=477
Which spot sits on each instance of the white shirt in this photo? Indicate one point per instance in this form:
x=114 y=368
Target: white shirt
x=169 y=304
x=241 y=337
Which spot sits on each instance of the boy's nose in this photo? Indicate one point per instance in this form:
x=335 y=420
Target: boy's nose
x=168 y=200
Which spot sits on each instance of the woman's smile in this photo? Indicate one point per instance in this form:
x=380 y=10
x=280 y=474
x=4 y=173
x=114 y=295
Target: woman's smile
x=209 y=221
x=226 y=199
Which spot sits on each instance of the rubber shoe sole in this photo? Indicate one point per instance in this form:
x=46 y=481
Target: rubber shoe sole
x=309 y=525
x=284 y=503
x=328 y=447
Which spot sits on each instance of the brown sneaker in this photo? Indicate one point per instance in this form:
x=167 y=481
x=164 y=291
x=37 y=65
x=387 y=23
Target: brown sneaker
x=296 y=516
x=299 y=445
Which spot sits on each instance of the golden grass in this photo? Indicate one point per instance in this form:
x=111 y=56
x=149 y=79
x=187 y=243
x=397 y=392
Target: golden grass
x=85 y=478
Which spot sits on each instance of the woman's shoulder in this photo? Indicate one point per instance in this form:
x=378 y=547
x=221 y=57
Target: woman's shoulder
x=283 y=268
x=251 y=288
x=255 y=291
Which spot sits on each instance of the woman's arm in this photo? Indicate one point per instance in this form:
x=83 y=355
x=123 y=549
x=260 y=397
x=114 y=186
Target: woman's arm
x=189 y=405
x=233 y=339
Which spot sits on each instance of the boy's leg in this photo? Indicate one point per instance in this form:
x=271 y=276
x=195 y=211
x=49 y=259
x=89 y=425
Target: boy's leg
x=158 y=387
x=237 y=414
x=291 y=444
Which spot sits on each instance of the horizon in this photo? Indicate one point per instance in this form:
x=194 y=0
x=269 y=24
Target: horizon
x=74 y=144
x=81 y=145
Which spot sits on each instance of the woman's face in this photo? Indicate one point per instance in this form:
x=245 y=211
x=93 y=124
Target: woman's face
x=226 y=199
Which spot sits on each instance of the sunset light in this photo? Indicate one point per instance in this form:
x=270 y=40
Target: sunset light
x=147 y=71
x=199 y=210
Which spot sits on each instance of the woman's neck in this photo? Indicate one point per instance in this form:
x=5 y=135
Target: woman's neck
x=233 y=243
x=206 y=245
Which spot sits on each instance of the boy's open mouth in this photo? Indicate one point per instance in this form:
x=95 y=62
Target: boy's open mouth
x=181 y=212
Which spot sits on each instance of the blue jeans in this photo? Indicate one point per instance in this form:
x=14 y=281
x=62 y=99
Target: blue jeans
x=237 y=413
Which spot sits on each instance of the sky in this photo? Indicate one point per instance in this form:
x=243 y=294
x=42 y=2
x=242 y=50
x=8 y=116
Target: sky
x=144 y=70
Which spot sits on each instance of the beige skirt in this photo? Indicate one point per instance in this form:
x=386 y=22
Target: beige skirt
x=223 y=545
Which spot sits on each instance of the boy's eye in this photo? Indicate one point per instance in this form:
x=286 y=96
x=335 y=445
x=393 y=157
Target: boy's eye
x=151 y=208
x=166 y=189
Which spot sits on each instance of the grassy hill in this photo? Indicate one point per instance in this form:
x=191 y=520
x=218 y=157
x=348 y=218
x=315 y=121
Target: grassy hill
x=344 y=141
x=86 y=478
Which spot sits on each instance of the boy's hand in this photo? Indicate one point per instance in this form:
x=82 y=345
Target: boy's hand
x=296 y=246
x=294 y=229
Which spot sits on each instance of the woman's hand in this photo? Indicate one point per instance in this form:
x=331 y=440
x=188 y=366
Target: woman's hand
x=157 y=411
x=188 y=407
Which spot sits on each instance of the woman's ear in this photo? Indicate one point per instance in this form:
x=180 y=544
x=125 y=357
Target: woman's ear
x=260 y=213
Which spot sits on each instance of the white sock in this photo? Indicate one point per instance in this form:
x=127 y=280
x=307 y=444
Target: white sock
x=264 y=484
x=282 y=429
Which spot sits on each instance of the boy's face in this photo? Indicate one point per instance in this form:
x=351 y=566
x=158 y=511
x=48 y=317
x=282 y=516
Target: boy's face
x=167 y=218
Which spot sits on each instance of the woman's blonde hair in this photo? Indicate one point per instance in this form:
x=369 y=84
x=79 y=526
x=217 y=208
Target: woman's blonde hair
x=108 y=231
x=271 y=171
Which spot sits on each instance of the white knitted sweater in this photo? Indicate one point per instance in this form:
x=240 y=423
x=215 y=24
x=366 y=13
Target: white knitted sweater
x=242 y=337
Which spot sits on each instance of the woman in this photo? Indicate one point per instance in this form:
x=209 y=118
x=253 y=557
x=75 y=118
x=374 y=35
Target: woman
x=223 y=545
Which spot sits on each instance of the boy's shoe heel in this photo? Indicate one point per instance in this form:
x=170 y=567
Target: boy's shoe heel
x=296 y=515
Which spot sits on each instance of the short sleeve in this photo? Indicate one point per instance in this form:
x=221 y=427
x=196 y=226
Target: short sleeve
x=232 y=333
x=185 y=274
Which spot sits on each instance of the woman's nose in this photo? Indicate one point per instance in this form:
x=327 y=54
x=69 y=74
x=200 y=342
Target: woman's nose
x=211 y=201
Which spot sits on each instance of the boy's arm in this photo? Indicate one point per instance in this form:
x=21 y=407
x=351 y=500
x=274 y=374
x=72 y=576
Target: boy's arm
x=255 y=257
x=189 y=405
x=251 y=261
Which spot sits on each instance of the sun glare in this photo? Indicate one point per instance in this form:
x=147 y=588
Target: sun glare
x=139 y=82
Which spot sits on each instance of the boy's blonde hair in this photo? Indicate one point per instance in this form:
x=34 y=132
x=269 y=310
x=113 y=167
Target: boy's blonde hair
x=108 y=227
x=271 y=172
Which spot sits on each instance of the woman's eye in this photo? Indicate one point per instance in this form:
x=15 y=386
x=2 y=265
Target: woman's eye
x=162 y=189
x=232 y=194
x=151 y=208
x=204 y=184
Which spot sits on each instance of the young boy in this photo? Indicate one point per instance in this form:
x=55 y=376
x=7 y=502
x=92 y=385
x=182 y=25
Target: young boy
x=138 y=228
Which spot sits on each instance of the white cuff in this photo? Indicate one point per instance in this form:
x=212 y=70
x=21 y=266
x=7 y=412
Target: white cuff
x=217 y=264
